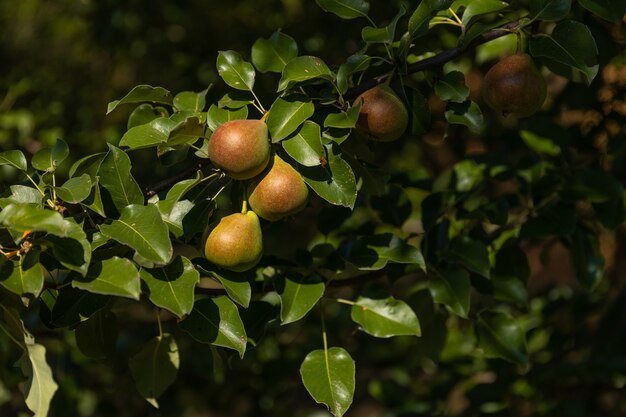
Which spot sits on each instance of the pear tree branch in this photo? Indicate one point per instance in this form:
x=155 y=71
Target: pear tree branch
x=438 y=60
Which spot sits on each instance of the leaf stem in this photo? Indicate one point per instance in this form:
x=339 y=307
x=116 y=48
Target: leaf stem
x=158 y=316
x=35 y=184
x=258 y=103
x=344 y=301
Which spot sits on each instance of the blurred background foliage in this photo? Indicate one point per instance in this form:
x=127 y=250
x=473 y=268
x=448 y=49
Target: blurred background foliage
x=64 y=60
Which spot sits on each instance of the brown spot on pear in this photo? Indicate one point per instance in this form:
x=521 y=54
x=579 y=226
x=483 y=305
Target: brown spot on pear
x=236 y=242
x=241 y=148
x=514 y=86
x=383 y=116
x=279 y=192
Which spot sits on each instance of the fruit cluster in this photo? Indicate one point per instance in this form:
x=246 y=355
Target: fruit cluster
x=241 y=148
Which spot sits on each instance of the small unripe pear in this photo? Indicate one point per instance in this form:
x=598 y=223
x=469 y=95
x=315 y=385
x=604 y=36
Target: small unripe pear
x=236 y=242
x=279 y=192
x=241 y=148
x=514 y=86
x=383 y=116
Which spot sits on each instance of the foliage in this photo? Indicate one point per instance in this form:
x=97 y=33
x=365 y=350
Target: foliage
x=428 y=250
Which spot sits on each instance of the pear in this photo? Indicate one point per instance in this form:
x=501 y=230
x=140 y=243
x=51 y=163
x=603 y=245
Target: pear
x=279 y=192
x=236 y=242
x=383 y=116
x=241 y=148
x=514 y=86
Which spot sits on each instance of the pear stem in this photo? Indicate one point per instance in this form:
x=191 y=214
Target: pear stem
x=244 y=206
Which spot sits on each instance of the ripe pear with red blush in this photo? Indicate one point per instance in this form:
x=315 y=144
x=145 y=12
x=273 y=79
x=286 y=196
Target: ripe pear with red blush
x=514 y=86
x=241 y=148
x=280 y=191
x=383 y=116
x=236 y=242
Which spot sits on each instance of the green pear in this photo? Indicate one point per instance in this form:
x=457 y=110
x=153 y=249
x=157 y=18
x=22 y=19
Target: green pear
x=383 y=116
x=279 y=192
x=514 y=86
x=236 y=242
x=241 y=148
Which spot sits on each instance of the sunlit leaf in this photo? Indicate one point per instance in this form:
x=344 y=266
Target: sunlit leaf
x=273 y=54
x=216 y=321
x=328 y=376
x=143 y=93
x=114 y=276
x=385 y=317
x=141 y=228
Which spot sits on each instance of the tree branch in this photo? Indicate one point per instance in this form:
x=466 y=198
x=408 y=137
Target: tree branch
x=437 y=60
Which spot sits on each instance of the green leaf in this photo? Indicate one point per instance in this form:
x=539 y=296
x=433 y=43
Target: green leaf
x=191 y=101
x=328 y=376
x=452 y=87
x=611 y=10
x=273 y=54
x=287 y=114
x=334 y=182
x=570 y=47
x=472 y=254
x=72 y=250
x=75 y=189
x=141 y=94
x=540 y=144
x=304 y=68
x=96 y=336
x=22 y=194
x=355 y=63
x=187 y=130
x=298 y=295
x=385 y=34
x=305 y=145
x=114 y=276
x=374 y=252
x=143 y=114
x=346 y=9
x=172 y=287
x=385 y=318
x=237 y=285
x=15 y=159
x=235 y=72
x=418 y=22
x=155 y=367
x=88 y=165
x=33 y=217
x=344 y=120
x=216 y=321
x=22 y=276
x=47 y=159
x=217 y=116
x=551 y=10
x=481 y=7
x=501 y=336
x=141 y=228
x=39 y=387
x=452 y=288
x=467 y=114
x=116 y=178
x=149 y=134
